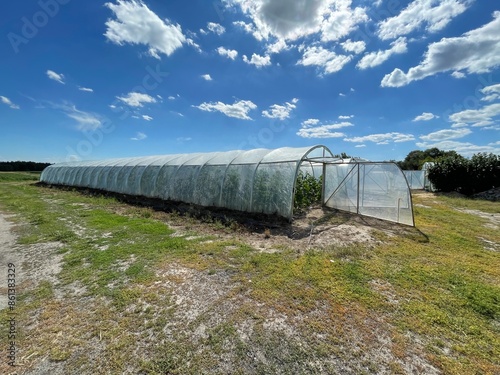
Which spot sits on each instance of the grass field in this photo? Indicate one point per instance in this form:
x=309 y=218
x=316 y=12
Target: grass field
x=146 y=292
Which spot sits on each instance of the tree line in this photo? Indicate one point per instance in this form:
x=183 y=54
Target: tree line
x=22 y=166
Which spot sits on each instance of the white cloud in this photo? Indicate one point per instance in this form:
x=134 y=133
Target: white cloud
x=359 y=146
x=193 y=44
x=216 y=28
x=463 y=148
x=147 y=118
x=458 y=75
x=341 y=20
x=382 y=138
x=446 y=134
x=7 y=101
x=139 y=137
x=435 y=15
x=281 y=112
x=345 y=117
x=206 y=77
x=55 y=76
x=277 y=47
x=426 y=116
x=313 y=128
x=310 y=122
x=136 y=99
x=329 y=61
x=291 y=20
x=136 y=24
x=341 y=94
x=373 y=59
x=238 y=110
x=229 y=53
x=492 y=93
x=280 y=18
x=86 y=89
x=171 y=97
x=354 y=47
x=477 y=51
x=257 y=60
x=484 y=115
x=183 y=139
x=87 y=121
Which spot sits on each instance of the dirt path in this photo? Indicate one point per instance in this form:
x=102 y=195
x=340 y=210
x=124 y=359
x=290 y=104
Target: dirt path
x=33 y=263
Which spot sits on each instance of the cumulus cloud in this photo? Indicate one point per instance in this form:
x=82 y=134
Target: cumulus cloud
x=492 y=93
x=433 y=15
x=281 y=112
x=229 y=53
x=313 y=128
x=446 y=134
x=147 y=118
x=139 y=137
x=135 y=23
x=477 y=51
x=291 y=20
x=215 y=28
x=7 y=101
x=239 y=109
x=381 y=139
x=310 y=122
x=328 y=61
x=354 y=47
x=277 y=47
x=458 y=75
x=426 y=116
x=257 y=60
x=136 y=99
x=341 y=20
x=346 y=117
x=206 y=77
x=373 y=59
x=55 y=76
x=477 y=117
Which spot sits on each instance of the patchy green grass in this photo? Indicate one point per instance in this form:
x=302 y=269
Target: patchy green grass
x=19 y=176
x=311 y=312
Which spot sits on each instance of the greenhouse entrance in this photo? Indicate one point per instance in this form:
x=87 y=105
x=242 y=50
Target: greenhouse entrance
x=259 y=181
x=373 y=189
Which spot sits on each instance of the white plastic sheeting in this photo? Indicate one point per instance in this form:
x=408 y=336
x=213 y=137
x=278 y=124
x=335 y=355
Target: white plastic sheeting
x=371 y=189
x=260 y=180
x=416 y=179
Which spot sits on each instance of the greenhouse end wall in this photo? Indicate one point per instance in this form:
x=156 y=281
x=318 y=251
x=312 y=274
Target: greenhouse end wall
x=258 y=181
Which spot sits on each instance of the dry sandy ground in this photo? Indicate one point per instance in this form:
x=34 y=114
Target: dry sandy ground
x=33 y=263
x=216 y=297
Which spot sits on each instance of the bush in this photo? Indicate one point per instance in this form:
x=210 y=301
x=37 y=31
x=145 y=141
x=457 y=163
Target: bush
x=467 y=176
x=307 y=191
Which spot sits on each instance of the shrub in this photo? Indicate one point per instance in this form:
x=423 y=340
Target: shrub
x=307 y=190
x=467 y=176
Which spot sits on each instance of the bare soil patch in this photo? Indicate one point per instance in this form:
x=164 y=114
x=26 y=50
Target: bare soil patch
x=33 y=263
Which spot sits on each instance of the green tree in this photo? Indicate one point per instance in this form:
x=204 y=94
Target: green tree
x=416 y=158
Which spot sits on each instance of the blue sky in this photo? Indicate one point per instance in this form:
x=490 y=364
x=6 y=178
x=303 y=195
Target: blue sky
x=374 y=79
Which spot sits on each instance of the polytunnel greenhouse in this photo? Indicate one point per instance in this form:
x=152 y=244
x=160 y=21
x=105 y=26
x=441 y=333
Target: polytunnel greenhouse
x=257 y=181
